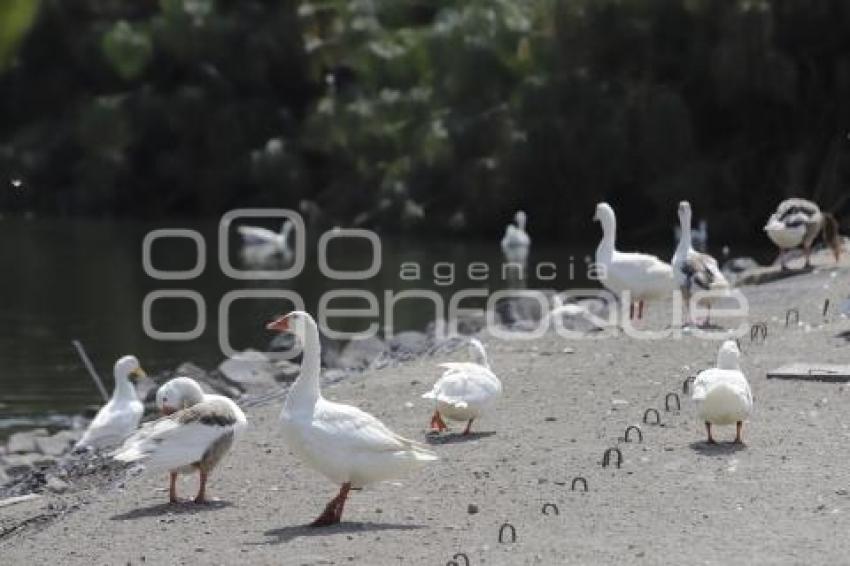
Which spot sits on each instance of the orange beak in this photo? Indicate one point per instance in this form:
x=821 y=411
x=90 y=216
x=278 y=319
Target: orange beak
x=280 y=324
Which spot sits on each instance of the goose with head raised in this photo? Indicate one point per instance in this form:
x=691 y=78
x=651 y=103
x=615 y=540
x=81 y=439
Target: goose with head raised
x=722 y=394
x=195 y=432
x=516 y=241
x=466 y=390
x=694 y=270
x=348 y=446
x=120 y=417
x=644 y=276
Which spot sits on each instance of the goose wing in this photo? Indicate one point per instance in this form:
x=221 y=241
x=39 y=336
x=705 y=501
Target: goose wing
x=183 y=437
x=346 y=428
x=702 y=271
x=113 y=423
x=256 y=234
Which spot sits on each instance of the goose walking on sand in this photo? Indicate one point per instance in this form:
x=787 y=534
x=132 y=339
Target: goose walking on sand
x=348 y=446
x=722 y=394
x=516 y=242
x=798 y=222
x=465 y=391
x=195 y=432
x=120 y=417
x=645 y=276
x=693 y=270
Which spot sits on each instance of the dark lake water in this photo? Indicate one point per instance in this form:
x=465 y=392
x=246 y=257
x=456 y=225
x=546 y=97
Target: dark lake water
x=65 y=280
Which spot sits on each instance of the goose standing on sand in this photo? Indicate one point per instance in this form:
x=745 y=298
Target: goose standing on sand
x=120 y=417
x=516 y=242
x=694 y=270
x=797 y=222
x=348 y=446
x=194 y=434
x=466 y=390
x=722 y=394
x=257 y=240
x=645 y=276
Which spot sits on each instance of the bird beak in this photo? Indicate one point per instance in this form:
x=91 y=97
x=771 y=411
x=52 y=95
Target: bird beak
x=138 y=373
x=280 y=324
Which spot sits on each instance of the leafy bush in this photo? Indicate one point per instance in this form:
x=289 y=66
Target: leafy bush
x=432 y=115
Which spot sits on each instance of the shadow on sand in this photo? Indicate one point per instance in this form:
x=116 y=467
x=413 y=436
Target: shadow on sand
x=183 y=508
x=454 y=438
x=287 y=534
x=720 y=449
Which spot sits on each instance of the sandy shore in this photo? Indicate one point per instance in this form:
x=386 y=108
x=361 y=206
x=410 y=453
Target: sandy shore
x=783 y=499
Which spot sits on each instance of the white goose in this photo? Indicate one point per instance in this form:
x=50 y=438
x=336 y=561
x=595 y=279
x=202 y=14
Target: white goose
x=348 y=446
x=645 y=276
x=694 y=270
x=195 y=433
x=256 y=239
x=797 y=222
x=699 y=235
x=516 y=242
x=722 y=394
x=466 y=389
x=120 y=417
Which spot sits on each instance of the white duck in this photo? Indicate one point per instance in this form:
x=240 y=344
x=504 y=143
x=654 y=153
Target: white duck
x=120 y=417
x=722 y=394
x=348 y=446
x=466 y=390
x=645 y=276
x=694 y=270
x=194 y=434
x=516 y=242
x=256 y=239
x=797 y=222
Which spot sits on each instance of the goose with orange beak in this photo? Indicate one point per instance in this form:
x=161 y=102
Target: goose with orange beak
x=195 y=432
x=116 y=420
x=348 y=446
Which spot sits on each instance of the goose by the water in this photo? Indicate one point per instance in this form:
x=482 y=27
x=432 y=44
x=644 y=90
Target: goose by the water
x=256 y=239
x=722 y=394
x=195 y=432
x=120 y=417
x=516 y=242
x=645 y=276
x=348 y=446
x=466 y=390
x=797 y=222
x=694 y=270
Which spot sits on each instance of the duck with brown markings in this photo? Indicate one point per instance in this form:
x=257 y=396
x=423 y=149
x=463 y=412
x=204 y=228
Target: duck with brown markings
x=195 y=432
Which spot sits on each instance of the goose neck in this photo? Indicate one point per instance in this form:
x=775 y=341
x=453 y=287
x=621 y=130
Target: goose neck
x=305 y=391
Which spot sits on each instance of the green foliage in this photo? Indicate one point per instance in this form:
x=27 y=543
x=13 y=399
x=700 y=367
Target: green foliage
x=16 y=17
x=434 y=114
x=128 y=49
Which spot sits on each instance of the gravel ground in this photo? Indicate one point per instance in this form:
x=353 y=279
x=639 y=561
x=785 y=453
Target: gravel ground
x=784 y=498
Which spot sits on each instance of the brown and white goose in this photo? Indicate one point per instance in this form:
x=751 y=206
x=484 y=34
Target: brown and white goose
x=195 y=433
x=694 y=271
x=798 y=222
